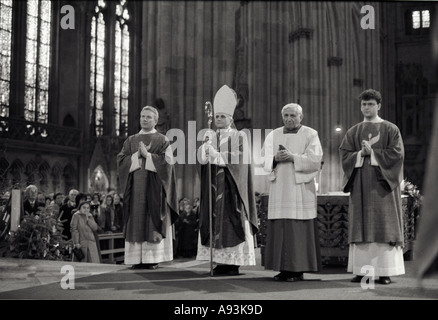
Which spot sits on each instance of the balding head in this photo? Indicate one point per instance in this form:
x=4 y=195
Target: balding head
x=294 y=107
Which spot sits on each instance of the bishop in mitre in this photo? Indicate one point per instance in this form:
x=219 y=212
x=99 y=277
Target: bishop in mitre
x=234 y=216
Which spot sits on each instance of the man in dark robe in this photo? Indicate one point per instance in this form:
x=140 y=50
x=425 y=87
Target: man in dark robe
x=147 y=176
x=234 y=216
x=372 y=154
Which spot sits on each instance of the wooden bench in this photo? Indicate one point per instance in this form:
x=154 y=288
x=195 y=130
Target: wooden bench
x=109 y=247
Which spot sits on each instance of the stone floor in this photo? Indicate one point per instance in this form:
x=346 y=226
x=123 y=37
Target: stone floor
x=188 y=279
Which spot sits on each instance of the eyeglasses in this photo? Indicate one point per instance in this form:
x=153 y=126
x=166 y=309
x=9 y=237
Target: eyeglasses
x=220 y=116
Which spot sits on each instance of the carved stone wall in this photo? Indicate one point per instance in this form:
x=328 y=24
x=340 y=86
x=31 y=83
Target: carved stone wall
x=51 y=173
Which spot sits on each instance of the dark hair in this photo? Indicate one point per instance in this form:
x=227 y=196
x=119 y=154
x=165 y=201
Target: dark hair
x=82 y=203
x=57 y=194
x=79 y=197
x=111 y=197
x=371 y=94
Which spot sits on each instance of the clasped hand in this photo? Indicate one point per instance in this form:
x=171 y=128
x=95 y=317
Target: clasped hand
x=142 y=149
x=284 y=156
x=366 y=148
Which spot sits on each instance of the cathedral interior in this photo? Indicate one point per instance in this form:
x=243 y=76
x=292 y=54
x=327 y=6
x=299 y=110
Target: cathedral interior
x=74 y=76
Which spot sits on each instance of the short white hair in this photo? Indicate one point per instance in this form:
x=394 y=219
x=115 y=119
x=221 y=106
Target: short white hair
x=295 y=106
x=73 y=191
x=153 y=110
x=29 y=188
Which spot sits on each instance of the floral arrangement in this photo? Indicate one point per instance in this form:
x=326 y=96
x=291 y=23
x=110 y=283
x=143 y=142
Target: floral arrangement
x=414 y=194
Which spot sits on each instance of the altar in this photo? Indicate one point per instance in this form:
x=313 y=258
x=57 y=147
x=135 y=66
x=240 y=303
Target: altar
x=332 y=219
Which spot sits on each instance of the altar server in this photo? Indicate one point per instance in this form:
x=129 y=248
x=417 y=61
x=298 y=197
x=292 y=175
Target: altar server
x=372 y=154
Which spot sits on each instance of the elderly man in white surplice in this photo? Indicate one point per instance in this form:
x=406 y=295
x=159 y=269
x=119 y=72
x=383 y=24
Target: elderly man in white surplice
x=293 y=155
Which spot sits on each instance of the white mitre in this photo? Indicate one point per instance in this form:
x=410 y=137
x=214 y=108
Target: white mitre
x=225 y=100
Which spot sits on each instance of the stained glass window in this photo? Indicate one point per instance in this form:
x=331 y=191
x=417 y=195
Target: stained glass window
x=420 y=19
x=121 y=70
x=37 y=60
x=416 y=19
x=117 y=29
x=5 y=55
x=97 y=69
x=425 y=17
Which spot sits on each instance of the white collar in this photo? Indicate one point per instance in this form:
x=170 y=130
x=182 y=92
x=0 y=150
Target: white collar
x=148 y=132
x=229 y=129
x=375 y=120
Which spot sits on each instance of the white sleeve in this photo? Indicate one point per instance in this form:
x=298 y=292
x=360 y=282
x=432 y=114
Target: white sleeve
x=359 y=161
x=135 y=163
x=373 y=159
x=268 y=150
x=150 y=164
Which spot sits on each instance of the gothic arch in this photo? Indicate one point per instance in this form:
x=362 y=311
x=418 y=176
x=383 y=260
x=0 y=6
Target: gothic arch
x=56 y=174
x=70 y=177
x=4 y=166
x=44 y=171
x=16 y=171
x=31 y=169
x=69 y=121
